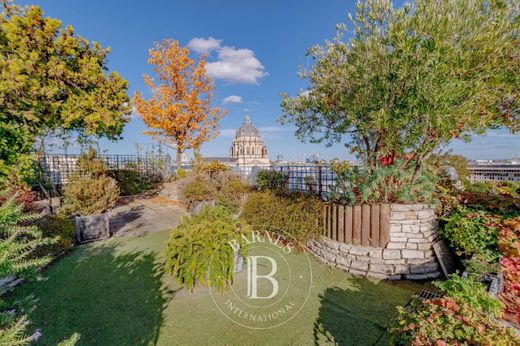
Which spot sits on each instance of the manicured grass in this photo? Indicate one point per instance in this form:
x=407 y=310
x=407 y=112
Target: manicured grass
x=116 y=293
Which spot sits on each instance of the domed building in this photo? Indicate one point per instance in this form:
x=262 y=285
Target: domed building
x=248 y=148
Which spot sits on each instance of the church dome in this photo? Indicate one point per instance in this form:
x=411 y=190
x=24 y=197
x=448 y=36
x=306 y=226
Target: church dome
x=247 y=129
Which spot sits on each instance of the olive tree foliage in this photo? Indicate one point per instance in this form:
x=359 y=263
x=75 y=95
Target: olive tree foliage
x=52 y=80
x=410 y=79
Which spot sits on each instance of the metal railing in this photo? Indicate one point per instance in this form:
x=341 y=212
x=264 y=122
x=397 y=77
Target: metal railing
x=315 y=178
x=59 y=167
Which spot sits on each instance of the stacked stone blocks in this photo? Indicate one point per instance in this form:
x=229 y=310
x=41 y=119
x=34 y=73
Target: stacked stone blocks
x=408 y=255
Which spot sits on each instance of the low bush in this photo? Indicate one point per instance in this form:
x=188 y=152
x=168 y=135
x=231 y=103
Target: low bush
x=210 y=168
x=465 y=315
x=231 y=189
x=132 y=182
x=90 y=190
x=59 y=227
x=86 y=195
x=448 y=321
x=179 y=174
x=295 y=214
x=509 y=242
x=197 y=188
x=272 y=180
x=197 y=252
x=503 y=205
x=224 y=187
x=472 y=292
x=472 y=232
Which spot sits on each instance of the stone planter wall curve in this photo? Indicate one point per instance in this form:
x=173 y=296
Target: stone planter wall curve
x=407 y=255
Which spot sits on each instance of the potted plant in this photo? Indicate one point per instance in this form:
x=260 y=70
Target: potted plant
x=88 y=196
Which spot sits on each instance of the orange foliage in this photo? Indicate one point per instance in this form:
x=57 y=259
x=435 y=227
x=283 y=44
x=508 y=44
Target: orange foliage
x=179 y=113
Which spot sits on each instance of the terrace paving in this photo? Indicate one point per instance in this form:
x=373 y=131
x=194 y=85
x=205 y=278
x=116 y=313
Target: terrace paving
x=140 y=216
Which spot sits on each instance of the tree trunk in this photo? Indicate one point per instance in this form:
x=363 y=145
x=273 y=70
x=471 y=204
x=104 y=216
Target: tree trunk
x=179 y=158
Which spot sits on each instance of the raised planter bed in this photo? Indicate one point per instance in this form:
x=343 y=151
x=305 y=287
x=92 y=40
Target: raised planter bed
x=92 y=227
x=387 y=241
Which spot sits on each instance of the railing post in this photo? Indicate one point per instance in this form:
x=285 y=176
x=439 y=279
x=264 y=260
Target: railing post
x=320 y=187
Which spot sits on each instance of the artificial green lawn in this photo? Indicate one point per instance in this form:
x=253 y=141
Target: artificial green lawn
x=116 y=293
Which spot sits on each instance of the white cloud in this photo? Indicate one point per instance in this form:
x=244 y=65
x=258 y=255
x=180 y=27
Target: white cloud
x=228 y=133
x=236 y=66
x=232 y=99
x=204 y=45
x=233 y=65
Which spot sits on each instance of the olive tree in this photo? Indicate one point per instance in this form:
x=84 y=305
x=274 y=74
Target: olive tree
x=408 y=80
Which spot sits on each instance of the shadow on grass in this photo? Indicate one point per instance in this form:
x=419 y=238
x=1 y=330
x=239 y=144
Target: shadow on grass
x=355 y=316
x=109 y=297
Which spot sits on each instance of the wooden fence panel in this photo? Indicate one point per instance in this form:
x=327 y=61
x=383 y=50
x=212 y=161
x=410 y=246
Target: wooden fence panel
x=341 y=223
x=334 y=234
x=384 y=220
x=349 y=223
x=367 y=224
x=356 y=234
x=374 y=225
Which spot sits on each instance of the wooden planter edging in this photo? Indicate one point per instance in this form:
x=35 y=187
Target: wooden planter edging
x=366 y=225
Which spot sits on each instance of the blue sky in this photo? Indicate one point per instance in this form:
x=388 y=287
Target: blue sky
x=255 y=49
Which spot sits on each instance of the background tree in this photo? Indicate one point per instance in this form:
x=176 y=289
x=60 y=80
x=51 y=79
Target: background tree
x=52 y=80
x=179 y=111
x=411 y=79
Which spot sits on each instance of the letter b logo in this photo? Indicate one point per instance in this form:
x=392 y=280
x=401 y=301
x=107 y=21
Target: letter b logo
x=253 y=277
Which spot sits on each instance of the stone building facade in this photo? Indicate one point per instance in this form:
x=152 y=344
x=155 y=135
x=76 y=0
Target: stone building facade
x=248 y=148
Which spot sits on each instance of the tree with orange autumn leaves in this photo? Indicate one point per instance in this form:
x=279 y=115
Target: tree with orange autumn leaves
x=179 y=113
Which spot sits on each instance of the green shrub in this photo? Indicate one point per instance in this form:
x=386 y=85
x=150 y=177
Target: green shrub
x=89 y=195
x=296 y=214
x=224 y=187
x=59 y=227
x=231 y=189
x=471 y=292
x=472 y=232
x=198 y=188
x=465 y=315
x=179 y=174
x=91 y=190
x=131 y=182
x=272 y=180
x=447 y=321
x=210 y=168
x=385 y=184
x=194 y=254
x=18 y=241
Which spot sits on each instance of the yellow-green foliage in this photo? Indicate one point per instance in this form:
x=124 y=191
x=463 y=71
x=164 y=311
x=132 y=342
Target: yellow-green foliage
x=52 y=79
x=197 y=188
x=225 y=187
x=198 y=252
x=296 y=214
x=91 y=190
x=210 y=168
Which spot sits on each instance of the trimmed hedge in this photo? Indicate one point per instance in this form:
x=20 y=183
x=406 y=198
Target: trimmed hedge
x=294 y=213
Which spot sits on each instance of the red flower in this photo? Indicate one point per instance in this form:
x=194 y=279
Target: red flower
x=387 y=159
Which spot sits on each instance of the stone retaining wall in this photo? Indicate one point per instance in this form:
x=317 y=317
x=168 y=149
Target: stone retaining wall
x=408 y=255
